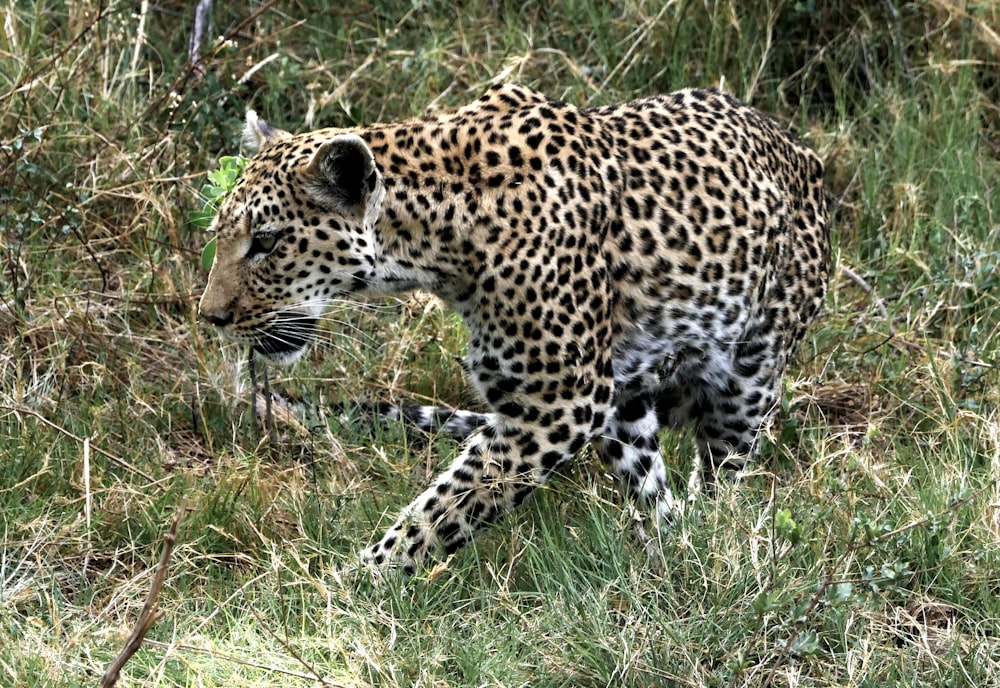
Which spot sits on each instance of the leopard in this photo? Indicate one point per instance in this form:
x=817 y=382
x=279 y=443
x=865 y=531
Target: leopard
x=620 y=270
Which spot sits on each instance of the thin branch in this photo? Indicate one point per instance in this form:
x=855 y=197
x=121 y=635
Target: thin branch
x=860 y=281
x=150 y=611
x=202 y=25
x=180 y=81
x=894 y=337
x=26 y=83
x=341 y=88
x=252 y=369
x=640 y=42
x=290 y=650
x=265 y=424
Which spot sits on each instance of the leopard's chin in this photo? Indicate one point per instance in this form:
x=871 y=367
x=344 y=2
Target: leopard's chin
x=282 y=358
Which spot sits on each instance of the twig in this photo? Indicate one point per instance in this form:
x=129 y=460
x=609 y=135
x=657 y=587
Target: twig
x=197 y=426
x=87 y=501
x=894 y=337
x=140 y=38
x=181 y=80
x=150 y=611
x=898 y=36
x=341 y=89
x=268 y=408
x=772 y=20
x=641 y=41
x=860 y=281
x=27 y=82
x=108 y=455
x=252 y=367
x=802 y=619
x=290 y=650
x=202 y=25
x=854 y=546
x=257 y=67
x=266 y=424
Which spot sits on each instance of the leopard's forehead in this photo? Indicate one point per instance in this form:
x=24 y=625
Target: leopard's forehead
x=270 y=179
x=292 y=152
x=279 y=161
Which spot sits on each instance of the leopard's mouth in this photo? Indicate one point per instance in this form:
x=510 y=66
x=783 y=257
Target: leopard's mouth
x=286 y=338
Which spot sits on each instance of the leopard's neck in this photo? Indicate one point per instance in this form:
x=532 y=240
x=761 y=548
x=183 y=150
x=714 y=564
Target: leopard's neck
x=439 y=208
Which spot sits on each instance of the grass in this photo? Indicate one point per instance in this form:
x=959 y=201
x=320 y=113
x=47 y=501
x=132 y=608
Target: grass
x=862 y=551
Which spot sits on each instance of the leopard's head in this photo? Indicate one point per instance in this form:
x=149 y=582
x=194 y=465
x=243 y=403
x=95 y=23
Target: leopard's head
x=296 y=231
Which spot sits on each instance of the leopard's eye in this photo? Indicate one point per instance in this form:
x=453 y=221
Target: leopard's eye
x=262 y=244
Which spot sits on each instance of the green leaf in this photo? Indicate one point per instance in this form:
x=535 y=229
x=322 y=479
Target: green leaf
x=221 y=182
x=805 y=644
x=208 y=254
x=214 y=192
x=786 y=526
x=840 y=593
x=202 y=219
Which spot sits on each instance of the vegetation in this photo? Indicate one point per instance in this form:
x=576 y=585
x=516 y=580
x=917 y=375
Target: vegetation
x=864 y=550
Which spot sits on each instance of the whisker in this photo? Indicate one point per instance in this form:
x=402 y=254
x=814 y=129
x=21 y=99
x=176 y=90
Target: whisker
x=291 y=337
x=292 y=326
x=341 y=305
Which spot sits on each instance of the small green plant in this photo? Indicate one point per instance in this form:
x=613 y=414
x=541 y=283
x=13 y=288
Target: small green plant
x=23 y=215
x=786 y=527
x=221 y=182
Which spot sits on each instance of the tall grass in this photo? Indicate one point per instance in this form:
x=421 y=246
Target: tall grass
x=862 y=551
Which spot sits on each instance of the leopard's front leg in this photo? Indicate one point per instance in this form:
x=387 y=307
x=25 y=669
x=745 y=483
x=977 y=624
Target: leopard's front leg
x=540 y=356
x=481 y=485
x=497 y=469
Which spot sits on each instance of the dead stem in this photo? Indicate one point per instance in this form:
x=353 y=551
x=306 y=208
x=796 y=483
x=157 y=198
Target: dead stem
x=150 y=612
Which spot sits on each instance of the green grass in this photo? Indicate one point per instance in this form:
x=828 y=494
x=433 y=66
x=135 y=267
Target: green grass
x=864 y=550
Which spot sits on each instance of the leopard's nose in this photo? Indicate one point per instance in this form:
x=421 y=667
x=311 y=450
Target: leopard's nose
x=219 y=318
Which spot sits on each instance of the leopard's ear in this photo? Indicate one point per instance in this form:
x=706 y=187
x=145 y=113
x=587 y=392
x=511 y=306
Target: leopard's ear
x=345 y=175
x=258 y=134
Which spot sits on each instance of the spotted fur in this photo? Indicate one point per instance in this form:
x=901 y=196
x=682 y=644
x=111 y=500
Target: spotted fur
x=620 y=269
